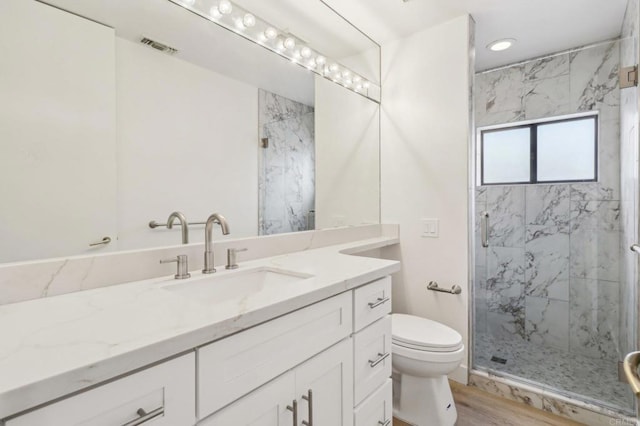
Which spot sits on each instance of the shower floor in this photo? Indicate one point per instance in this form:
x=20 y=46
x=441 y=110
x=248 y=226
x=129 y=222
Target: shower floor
x=573 y=375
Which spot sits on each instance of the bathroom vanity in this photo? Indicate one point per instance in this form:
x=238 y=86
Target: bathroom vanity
x=301 y=338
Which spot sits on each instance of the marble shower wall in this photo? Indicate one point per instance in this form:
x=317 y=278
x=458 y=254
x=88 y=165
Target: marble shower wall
x=287 y=166
x=630 y=207
x=551 y=273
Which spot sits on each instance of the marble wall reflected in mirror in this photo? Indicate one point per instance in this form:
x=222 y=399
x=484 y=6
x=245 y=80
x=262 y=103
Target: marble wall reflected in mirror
x=116 y=134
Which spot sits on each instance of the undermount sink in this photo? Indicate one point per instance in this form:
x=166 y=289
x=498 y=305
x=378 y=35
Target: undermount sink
x=235 y=285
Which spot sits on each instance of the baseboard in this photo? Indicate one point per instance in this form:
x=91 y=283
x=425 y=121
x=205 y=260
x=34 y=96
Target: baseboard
x=460 y=375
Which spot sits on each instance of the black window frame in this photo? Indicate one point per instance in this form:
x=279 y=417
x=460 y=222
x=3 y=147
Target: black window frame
x=533 y=150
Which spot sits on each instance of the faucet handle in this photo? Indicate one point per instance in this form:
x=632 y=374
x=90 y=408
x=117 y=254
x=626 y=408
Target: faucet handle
x=183 y=266
x=231 y=257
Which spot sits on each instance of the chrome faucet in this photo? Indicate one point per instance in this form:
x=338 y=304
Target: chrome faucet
x=183 y=224
x=208 y=240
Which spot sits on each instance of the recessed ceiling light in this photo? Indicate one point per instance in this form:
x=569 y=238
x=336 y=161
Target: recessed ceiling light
x=502 y=44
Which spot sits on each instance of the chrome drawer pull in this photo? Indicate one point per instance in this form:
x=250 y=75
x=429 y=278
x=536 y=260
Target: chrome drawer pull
x=384 y=423
x=309 y=399
x=378 y=302
x=145 y=417
x=294 y=410
x=381 y=357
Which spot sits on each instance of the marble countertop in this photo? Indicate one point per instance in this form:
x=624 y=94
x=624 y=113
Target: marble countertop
x=55 y=346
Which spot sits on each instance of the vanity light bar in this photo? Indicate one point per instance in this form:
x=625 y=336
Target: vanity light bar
x=244 y=23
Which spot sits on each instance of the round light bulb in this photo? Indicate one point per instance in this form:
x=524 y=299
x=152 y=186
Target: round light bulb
x=289 y=43
x=333 y=67
x=225 y=7
x=270 y=33
x=345 y=74
x=320 y=60
x=348 y=82
x=214 y=12
x=249 y=20
x=305 y=52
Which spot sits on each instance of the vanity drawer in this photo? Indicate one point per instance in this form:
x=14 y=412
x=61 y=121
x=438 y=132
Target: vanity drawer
x=377 y=409
x=372 y=358
x=236 y=365
x=371 y=302
x=166 y=392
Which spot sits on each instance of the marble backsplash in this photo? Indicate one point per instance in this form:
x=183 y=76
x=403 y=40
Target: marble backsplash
x=287 y=165
x=21 y=281
x=551 y=273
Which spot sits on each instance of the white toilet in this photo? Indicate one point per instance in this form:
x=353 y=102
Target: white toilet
x=424 y=352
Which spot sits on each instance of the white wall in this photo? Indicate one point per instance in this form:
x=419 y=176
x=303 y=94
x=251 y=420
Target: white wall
x=347 y=157
x=180 y=128
x=425 y=141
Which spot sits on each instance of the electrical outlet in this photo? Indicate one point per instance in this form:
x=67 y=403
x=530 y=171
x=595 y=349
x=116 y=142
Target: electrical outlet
x=430 y=228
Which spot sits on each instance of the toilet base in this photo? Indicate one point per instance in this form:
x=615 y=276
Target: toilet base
x=423 y=401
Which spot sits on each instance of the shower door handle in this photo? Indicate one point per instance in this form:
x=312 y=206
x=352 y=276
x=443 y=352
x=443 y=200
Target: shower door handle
x=484 y=228
x=630 y=365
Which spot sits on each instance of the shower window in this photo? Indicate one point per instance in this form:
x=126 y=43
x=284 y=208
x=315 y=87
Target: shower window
x=549 y=151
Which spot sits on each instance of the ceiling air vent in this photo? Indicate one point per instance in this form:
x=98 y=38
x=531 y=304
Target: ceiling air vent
x=158 y=46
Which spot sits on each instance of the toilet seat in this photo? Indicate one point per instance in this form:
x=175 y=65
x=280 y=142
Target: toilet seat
x=429 y=356
x=420 y=334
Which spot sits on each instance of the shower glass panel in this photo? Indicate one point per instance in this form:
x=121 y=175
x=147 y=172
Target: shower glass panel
x=554 y=290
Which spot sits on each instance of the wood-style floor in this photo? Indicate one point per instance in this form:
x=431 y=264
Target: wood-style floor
x=478 y=408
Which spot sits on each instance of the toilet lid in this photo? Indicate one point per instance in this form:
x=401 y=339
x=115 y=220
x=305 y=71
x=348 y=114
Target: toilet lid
x=420 y=333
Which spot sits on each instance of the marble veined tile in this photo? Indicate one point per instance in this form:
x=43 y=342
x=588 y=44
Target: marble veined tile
x=548 y=205
x=604 y=215
x=547 y=322
x=549 y=67
x=505 y=265
x=547 y=262
x=595 y=254
x=547 y=98
x=506 y=326
x=594 y=81
x=594 y=318
x=505 y=205
x=276 y=108
x=504 y=89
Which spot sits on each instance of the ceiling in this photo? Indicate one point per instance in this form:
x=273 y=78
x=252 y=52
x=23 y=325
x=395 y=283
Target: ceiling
x=539 y=26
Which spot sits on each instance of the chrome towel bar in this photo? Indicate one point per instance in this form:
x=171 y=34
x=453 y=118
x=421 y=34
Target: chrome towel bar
x=154 y=224
x=456 y=289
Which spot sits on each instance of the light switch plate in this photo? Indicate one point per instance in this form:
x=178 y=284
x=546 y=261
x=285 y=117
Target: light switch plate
x=430 y=228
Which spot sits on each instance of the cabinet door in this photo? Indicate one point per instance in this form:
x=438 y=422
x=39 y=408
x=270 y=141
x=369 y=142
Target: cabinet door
x=324 y=387
x=266 y=406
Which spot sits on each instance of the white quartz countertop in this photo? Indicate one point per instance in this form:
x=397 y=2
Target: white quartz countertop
x=55 y=346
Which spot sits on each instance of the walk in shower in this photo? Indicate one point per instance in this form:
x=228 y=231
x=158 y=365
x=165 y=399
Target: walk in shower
x=555 y=281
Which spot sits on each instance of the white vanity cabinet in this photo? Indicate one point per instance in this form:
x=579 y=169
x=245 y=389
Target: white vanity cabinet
x=162 y=395
x=327 y=364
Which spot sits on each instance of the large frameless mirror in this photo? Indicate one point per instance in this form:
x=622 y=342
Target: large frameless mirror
x=119 y=113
